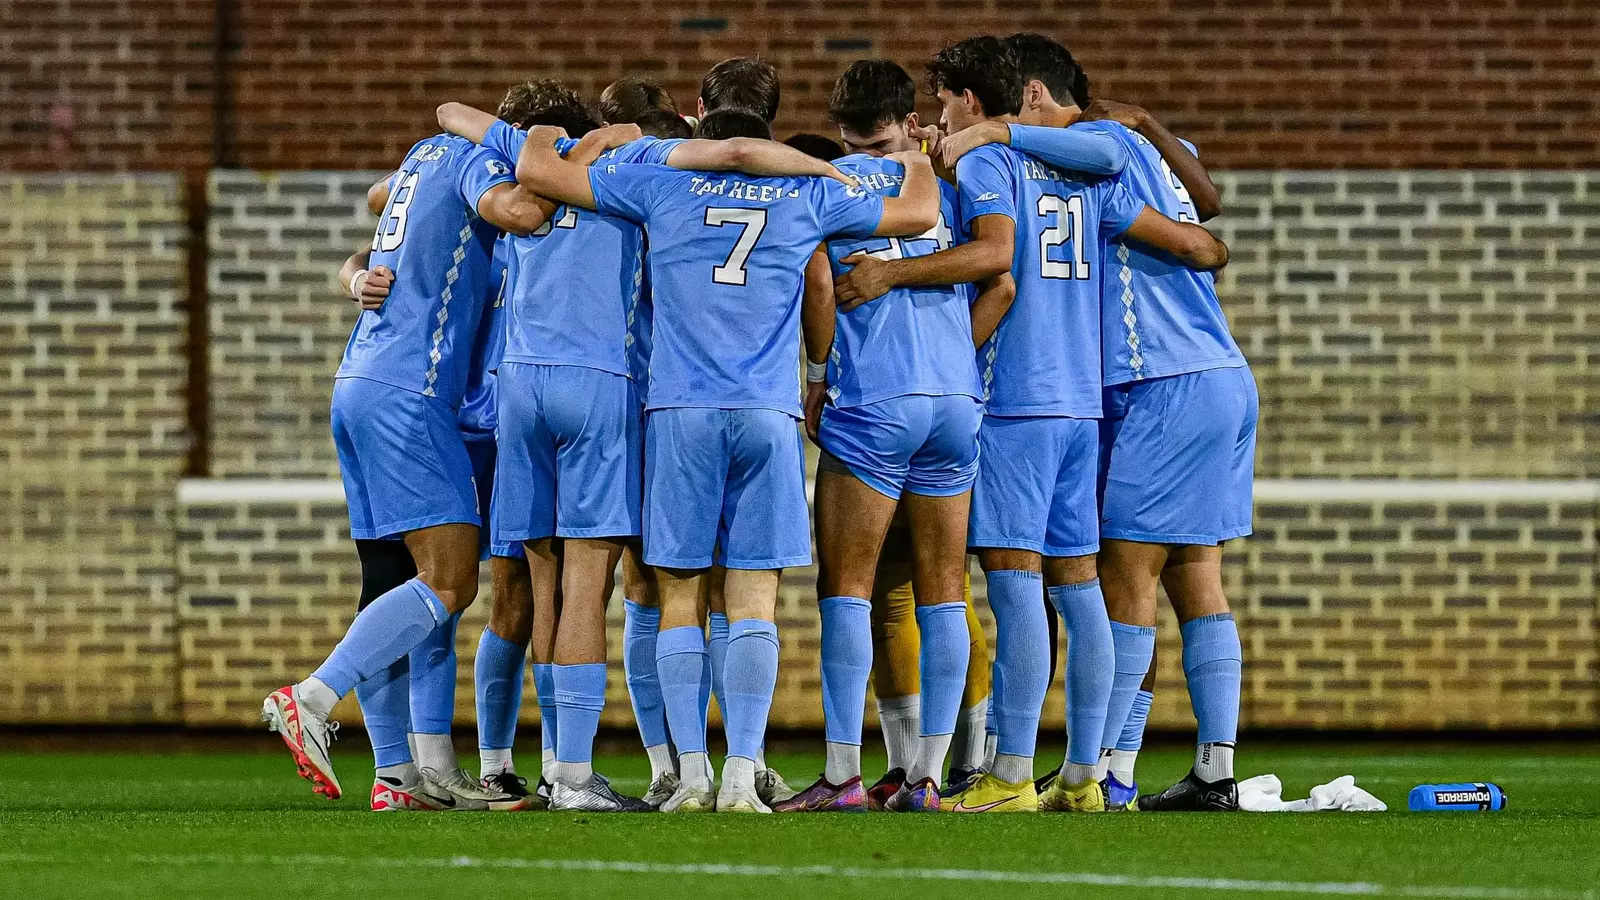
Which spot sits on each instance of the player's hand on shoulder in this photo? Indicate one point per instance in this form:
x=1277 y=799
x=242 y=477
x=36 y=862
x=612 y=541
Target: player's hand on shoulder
x=957 y=145
x=1125 y=114
x=546 y=134
x=931 y=138
x=613 y=136
x=867 y=280
x=372 y=287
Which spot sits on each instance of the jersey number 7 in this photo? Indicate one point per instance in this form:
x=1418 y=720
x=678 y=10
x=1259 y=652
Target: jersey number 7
x=751 y=223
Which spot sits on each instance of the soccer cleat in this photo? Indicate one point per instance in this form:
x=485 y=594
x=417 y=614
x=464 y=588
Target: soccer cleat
x=824 y=797
x=740 y=800
x=596 y=796
x=510 y=784
x=920 y=797
x=1120 y=797
x=662 y=789
x=458 y=790
x=884 y=788
x=771 y=787
x=1063 y=797
x=959 y=779
x=990 y=794
x=691 y=798
x=541 y=795
x=1193 y=795
x=392 y=795
x=307 y=736
x=1042 y=783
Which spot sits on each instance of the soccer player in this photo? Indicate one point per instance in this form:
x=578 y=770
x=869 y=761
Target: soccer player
x=893 y=400
x=1178 y=438
x=740 y=82
x=405 y=465
x=724 y=479
x=1034 y=515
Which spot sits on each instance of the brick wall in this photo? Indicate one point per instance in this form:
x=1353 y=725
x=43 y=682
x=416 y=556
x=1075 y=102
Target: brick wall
x=92 y=441
x=1257 y=83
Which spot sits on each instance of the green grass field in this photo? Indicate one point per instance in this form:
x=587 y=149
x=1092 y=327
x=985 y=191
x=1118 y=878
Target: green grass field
x=240 y=825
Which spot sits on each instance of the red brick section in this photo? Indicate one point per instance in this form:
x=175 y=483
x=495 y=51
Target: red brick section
x=1257 y=83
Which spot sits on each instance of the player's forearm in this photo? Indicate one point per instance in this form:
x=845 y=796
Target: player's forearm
x=1190 y=244
x=1184 y=164
x=357 y=261
x=541 y=170
x=752 y=156
x=973 y=261
x=818 y=308
x=994 y=301
x=595 y=144
x=1078 y=149
x=916 y=208
x=465 y=121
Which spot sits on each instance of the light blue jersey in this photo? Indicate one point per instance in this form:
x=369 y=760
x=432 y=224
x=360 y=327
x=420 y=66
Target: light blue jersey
x=1044 y=359
x=1160 y=316
x=577 y=294
x=726 y=267
x=477 y=413
x=430 y=235
x=913 y=340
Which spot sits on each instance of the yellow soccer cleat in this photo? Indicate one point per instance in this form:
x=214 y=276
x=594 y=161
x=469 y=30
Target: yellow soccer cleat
x=990 y=794
x=1085 y=796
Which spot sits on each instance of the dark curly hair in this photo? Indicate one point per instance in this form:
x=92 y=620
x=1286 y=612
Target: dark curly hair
x=872 y=93
x=545 y=101
x=1043 y=60
x=987 y=67
x=741 y=83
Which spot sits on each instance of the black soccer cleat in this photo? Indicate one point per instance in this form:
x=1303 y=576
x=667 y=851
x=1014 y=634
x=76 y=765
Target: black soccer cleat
x=1193 y=795
x=1042 y=783
x=507 y=783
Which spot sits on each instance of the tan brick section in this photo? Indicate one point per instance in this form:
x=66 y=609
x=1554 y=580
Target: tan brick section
x=92 y=440
x=1257 y=83
x=1355 y=615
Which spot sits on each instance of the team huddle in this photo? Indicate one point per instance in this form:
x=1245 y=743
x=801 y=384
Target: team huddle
x=578 y=347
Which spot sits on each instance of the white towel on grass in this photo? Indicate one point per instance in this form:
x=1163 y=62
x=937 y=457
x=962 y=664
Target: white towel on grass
x=1264 y=793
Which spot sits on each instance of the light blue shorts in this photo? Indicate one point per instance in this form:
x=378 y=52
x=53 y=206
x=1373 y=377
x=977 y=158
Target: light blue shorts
x=481 y=450
x=1178 y=455
x=402 y=458
x=725 y=486
x=570 y=463
x=1035 y=489
x=925 y=445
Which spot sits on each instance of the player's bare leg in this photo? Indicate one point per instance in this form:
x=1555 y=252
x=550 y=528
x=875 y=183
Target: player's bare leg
x=751 y=596
x=446 y=583
x=544 y=575
x=680 y=665
x=852 y=520
x=641 y=624
x=1212 y=660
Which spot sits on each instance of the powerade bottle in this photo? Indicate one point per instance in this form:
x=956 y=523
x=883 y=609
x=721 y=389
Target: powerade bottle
x=1467 y=797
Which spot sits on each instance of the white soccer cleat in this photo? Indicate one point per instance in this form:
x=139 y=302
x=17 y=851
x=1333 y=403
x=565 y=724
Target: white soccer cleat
x=662 y=789
x=390 y=795
x=307 y=735
x=691 y=797
x=456 y=790
x=596 y=796
x=740 y=800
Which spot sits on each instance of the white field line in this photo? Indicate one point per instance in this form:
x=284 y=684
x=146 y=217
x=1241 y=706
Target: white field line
x=1226 y=885
x=246 y=490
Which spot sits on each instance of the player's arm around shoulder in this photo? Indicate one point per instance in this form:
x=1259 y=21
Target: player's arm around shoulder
x=1194 y=246
x=916 y=208
x=1179 y=157
x=542 y=170
x=752 y=156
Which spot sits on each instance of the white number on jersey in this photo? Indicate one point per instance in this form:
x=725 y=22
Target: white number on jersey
x=940 y=234
x=1187 y=214
x=751 y=223
x=392 y=227
x=1068 y=227
x=567 y=219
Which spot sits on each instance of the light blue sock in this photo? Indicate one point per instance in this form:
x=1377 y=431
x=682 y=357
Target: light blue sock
x=382 y=633
x=705 y=688
x=639 y=627
x=1091 y=665
x=580 y=696
x=751 y=677
x=1022 y=659
x=1133 y=730
x=1213 y=663
x=846 y=665
x=433 y=680
x=497 y=676
x=544 y=686
x=680 y=661
x=943 y=661
x=386 y=713
x=717 y=646
x=989 y=728
x=1134 y=646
